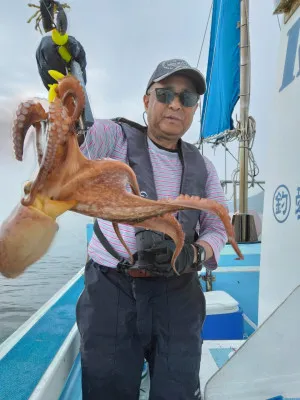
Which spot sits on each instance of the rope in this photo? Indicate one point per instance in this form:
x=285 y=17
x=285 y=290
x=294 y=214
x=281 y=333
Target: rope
x=225 y=166
x=249 y=48
x=279 y=24
x=200 y=53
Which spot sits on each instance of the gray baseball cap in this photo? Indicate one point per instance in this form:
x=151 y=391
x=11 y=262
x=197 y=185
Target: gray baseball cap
x=174 y=66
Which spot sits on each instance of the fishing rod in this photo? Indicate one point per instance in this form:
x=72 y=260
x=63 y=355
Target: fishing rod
x=54 y=19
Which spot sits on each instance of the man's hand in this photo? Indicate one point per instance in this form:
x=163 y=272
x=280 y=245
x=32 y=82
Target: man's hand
x=160 y=256
x=48 y=58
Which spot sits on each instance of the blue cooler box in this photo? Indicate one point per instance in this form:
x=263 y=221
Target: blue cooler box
x=224 y=317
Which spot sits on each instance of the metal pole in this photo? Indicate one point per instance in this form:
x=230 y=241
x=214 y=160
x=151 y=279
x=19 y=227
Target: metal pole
x=234 y=197
x=244 y=107
x=243 y=223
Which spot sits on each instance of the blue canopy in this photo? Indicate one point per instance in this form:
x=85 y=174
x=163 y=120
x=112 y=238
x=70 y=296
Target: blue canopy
x=223 y=70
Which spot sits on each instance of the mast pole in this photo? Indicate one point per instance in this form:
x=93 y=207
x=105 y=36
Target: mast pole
x=244 y=224
x=244 y=113
x=244 y=106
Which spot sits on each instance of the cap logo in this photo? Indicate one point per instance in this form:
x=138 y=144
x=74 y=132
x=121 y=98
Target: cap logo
x=173 y=64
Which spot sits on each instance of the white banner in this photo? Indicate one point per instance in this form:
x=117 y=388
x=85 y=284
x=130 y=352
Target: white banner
x=280 y=256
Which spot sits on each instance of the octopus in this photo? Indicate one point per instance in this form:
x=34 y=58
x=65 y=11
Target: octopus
x=67 y=180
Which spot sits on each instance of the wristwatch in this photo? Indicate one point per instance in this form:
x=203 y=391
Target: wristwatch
x=201 y=254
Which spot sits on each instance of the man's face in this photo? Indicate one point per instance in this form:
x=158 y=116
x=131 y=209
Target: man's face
x=169 y=121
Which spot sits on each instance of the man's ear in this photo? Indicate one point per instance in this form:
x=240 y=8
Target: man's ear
x=146 y=102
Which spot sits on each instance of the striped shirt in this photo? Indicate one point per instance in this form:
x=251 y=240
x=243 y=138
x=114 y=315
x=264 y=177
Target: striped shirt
x=106 y=139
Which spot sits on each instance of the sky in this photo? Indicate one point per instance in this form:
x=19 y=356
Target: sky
x=124 y=41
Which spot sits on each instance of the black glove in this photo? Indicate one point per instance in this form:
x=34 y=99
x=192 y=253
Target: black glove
x=160 y=256
x=47 y=57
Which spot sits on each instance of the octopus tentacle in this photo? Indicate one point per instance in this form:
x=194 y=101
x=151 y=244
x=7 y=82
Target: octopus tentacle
x=137 y=211
x=93 y=175
x=28 y=113
x=132 y=209
x=112 y=177
x=118 y=233
x=133 y=183
x=72 y=96
x=58 y=132
x=216 y=208
x=38 y=139
x=63 y=113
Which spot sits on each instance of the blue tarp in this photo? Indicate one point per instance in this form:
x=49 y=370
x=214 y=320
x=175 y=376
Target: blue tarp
x=223 y=70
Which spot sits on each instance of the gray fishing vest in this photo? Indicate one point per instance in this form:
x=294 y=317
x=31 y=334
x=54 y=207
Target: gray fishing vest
x=194 y=172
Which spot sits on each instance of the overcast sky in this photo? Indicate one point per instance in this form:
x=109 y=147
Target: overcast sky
x=124 y=41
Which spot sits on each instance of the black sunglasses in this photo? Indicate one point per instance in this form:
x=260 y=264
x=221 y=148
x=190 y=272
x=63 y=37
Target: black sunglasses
x=166 y=96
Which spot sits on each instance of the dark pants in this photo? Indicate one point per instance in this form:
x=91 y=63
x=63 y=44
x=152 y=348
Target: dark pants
x=121 y=320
